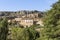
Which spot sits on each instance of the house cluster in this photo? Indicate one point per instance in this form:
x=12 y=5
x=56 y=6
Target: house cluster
x=28 y=20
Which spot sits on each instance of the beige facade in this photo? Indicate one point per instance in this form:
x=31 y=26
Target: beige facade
x=40 y=22
x=36 y=19
x=26 y=22
x=18 y=19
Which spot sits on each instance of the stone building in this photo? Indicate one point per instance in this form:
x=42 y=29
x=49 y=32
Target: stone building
x=26 y=22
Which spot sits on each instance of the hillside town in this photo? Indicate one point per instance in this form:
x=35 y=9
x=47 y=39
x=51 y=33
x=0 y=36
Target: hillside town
x=28 y=20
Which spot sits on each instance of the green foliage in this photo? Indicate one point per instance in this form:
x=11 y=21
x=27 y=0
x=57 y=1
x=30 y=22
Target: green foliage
x=17 y=33
x=23 y=33
x=52 y=24
x=33 y=34
x=3 y=29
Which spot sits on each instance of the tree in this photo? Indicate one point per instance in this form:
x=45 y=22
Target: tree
x=3 y=29
x=52 y=24
x=18 y=33
x=33 y=34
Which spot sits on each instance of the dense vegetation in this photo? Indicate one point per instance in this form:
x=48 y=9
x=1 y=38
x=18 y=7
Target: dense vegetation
x=50 y=30
x=3 y=29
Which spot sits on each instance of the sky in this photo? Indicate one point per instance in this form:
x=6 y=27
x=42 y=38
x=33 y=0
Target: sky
x=17 y=5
